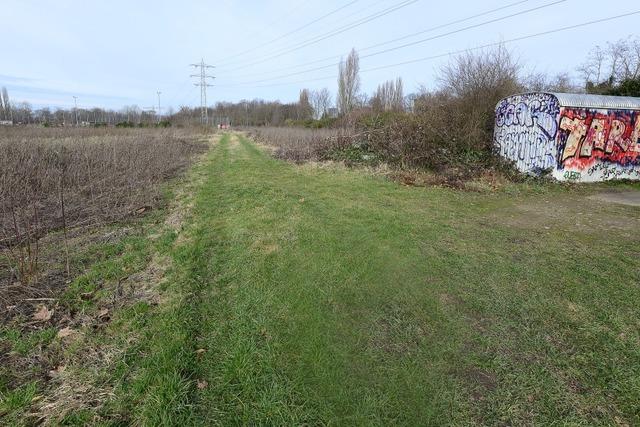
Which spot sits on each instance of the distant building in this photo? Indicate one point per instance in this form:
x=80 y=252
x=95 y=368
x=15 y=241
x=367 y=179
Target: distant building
x=576 y=137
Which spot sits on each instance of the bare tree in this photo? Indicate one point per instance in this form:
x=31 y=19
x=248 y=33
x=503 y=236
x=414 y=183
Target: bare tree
x=628 y=64
x=591 y=70
x=561 y=82
x=349 y=83
x=320 y=101
x=615 y=51
x=24 y=112
x=2 y=106
x=606 y=68
x=7 y=112
x=305 y=110
x=389 y=96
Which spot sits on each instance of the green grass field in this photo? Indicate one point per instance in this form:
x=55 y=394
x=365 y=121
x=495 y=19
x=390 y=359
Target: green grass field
x=328 y=296
x=305 y=295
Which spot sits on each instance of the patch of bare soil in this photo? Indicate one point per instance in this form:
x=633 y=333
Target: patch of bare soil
x=569 y=212
x=18 y=300
x=629 y=197
x=481 y=382
x=397 y=332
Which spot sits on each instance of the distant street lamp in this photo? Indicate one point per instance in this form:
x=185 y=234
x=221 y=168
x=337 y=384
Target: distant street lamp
x=159 y=110
x=75 y=100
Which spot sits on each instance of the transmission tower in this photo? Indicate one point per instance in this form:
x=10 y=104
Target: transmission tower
x=204 y=113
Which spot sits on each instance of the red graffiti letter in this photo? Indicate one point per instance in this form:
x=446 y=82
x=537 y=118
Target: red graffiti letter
x=635 y=136
x=595 y=138
x=578 y=130
x=618 y=127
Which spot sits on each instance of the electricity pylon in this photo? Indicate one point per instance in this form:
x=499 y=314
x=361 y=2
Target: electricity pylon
x=204 y=113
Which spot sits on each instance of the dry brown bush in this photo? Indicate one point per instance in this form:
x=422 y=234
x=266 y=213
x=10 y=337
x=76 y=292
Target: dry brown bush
x=301 y=144
x=58 y=179
x=450 y=131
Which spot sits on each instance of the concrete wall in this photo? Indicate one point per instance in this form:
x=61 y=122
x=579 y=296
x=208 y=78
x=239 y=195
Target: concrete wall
x=574 y=144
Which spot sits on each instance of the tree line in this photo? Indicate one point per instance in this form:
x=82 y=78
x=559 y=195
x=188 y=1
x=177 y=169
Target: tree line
x=24 y=113
x=610 y=70
x=311 y=106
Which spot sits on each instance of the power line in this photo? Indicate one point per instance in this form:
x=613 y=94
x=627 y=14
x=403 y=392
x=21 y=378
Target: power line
x=180 y=92
x=517 y=39
x=359 y=11
x=448 y=24
x=329 y=34
x=204 y=113
x=502 y=18
x=465 y=28
x=315 y=21
x=332 y=33
x=427 y=58
x=276 y=21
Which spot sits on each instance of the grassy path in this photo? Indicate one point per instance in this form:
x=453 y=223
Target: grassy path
x=324 y=296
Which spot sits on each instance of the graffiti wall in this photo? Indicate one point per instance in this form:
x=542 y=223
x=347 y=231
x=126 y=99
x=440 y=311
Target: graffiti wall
x=540 y=135
x=526 y=129
x=598 y=145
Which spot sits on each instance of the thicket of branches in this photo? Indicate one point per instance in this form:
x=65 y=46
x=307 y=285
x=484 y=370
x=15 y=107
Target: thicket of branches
x=613 y=69
x=58 y=179
x=300 y=144
x=446 y=129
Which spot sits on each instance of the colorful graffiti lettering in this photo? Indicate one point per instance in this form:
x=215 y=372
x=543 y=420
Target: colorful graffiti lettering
x=588 y=139
x=526 y=129
x=573 y=143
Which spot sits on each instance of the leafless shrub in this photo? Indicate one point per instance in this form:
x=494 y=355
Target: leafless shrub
x=451 y=129
x=300 y=144
x=58 y=179
x=474 y=83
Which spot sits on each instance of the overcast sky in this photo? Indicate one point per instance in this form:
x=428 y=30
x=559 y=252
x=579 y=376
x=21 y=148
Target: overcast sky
x=115 y=53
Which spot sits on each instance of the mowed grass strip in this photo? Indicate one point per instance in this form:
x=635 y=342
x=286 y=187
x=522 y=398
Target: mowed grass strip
x=327 y=296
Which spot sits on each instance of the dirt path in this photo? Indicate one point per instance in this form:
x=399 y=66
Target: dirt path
x=629 y=197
